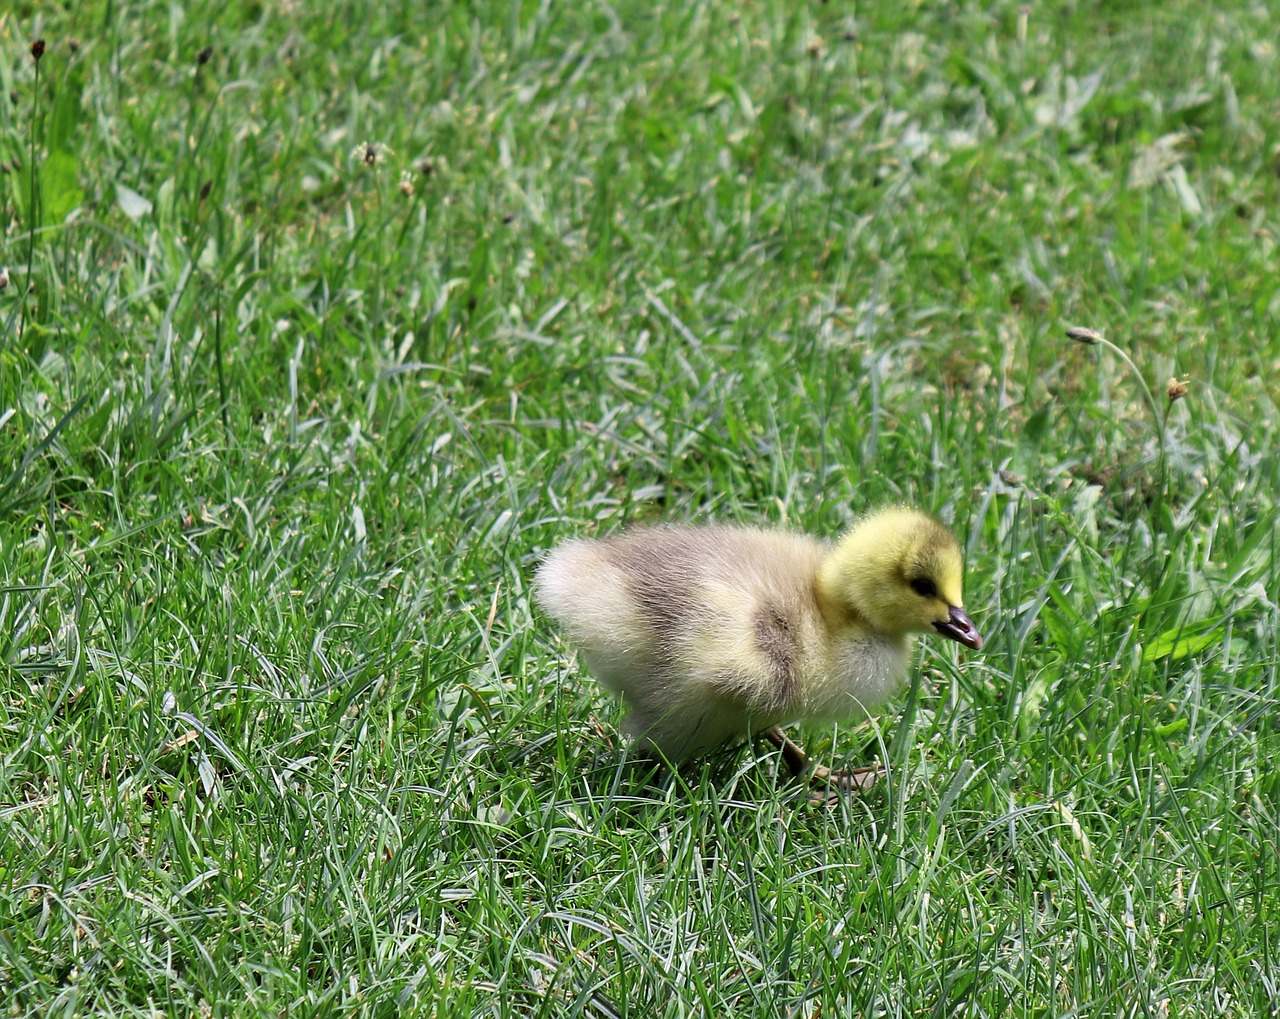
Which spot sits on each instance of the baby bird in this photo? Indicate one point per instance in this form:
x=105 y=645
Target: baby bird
x=712 y=634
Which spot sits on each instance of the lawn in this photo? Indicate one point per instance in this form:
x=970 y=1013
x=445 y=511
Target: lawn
x=322 y=323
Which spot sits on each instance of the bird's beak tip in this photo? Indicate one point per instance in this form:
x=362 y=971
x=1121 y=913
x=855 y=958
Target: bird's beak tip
x=959 y=627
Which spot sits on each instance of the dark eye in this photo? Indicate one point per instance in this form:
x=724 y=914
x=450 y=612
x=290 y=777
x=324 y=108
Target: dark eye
x=925 y=588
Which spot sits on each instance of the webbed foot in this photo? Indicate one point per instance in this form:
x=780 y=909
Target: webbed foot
x=826 y=785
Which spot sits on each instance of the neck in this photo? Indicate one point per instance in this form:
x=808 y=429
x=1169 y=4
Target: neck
x=837 y=614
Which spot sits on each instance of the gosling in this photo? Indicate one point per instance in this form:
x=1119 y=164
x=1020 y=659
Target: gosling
x=714 y=634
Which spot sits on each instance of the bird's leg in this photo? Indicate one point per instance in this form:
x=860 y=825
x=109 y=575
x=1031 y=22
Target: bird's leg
x=827 y=784
x=797 y=760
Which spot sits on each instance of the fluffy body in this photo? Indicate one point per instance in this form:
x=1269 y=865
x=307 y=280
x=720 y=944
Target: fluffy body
x=711 y=634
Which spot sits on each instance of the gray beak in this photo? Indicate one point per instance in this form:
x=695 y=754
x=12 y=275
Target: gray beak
x=959 y=626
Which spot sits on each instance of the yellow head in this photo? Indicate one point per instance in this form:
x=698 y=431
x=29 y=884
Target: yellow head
x=899 y=571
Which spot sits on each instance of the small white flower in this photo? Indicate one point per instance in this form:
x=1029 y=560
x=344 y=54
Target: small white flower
x=371 y=153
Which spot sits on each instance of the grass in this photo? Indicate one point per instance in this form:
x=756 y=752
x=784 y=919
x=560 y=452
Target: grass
x=314 y=342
